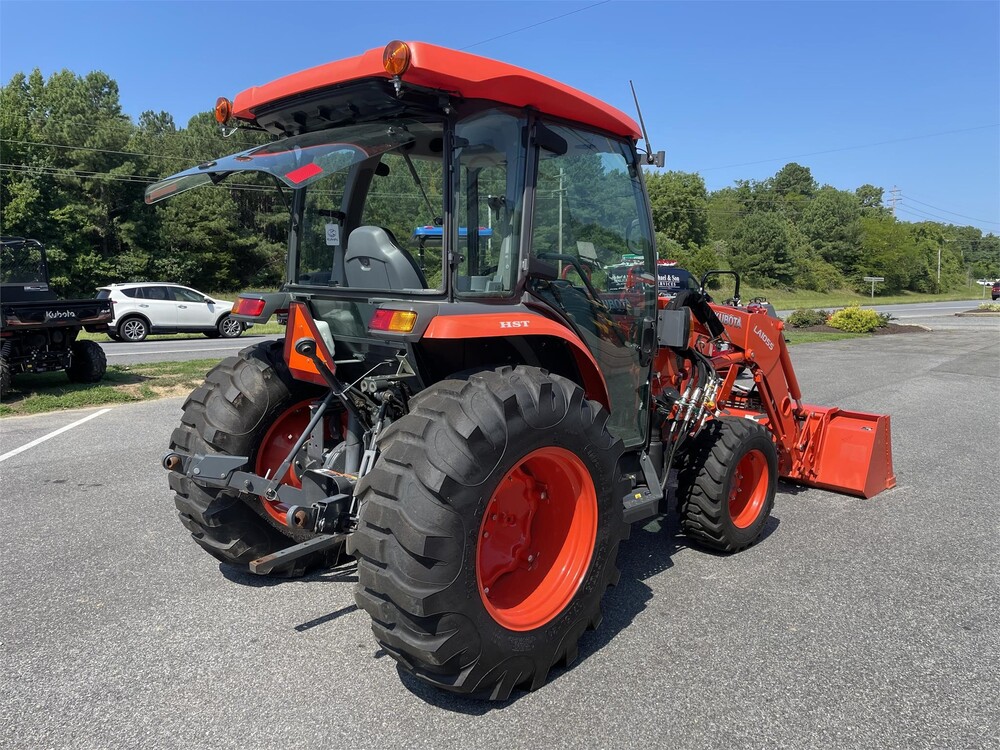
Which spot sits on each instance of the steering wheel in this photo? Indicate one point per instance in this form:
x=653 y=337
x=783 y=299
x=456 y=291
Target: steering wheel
x=575 y=262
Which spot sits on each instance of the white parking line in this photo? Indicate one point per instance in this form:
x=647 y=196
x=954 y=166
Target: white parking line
x=61 y=430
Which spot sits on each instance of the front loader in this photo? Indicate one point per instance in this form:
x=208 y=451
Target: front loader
x=479 y=429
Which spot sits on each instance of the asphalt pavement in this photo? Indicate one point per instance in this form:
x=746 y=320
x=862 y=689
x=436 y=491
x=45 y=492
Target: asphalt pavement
x=178 y=349
x=195 y=346
x=852 y=624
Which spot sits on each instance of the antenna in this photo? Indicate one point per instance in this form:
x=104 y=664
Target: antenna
x=659 y=158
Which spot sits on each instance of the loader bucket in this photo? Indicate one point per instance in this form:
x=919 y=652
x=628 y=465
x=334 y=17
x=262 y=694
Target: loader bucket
x=844 y=451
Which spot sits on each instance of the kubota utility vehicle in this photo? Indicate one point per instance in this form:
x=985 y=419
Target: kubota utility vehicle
x=481 y=429
x=38 y=331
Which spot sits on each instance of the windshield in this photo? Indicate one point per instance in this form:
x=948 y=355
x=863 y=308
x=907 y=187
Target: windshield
x=22 y=263
x=298 y=161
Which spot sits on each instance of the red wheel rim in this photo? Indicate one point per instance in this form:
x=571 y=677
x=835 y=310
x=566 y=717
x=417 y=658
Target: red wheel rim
x=536 y=539
x=749 y=491
x=280 y=438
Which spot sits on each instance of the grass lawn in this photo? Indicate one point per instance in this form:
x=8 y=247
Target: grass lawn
x=52 y=391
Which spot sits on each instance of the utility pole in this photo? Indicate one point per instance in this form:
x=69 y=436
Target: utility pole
x=560 y=215
x=893 y=197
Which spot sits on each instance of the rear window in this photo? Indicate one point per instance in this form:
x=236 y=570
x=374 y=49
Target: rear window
x=103 y=293
x=135 y=292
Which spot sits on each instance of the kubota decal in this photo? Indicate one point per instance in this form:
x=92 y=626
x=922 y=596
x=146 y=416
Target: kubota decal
x=728 y=319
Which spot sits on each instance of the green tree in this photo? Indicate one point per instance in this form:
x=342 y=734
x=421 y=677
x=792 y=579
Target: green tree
x=679 y=203
x=869 y=200
x=793 y=180
x=831 y=223
x=890 y=251
x=761 y=249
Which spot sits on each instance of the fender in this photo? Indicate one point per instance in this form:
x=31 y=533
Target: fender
x=520 y=323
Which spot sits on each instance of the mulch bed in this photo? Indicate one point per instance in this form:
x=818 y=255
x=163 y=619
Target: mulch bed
x=891 y=328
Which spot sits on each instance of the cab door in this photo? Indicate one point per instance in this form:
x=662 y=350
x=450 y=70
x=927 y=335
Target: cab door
x=589 y=217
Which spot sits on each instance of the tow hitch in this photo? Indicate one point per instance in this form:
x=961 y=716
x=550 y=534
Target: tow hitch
x=321 y=506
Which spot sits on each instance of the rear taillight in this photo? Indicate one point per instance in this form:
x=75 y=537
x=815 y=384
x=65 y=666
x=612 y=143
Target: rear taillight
x=398 y=321
x=249 y=307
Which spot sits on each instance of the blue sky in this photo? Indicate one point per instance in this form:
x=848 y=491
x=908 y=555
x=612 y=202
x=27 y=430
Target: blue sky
x=903 y=94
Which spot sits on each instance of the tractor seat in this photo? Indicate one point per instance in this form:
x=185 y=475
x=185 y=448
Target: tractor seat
x=375 y=260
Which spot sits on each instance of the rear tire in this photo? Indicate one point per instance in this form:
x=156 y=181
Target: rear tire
x=88 y=363
x=231 y=413
x=727 y=483
x=6 y=378
x=133 y=329
x=230 y=328
x=470 y=457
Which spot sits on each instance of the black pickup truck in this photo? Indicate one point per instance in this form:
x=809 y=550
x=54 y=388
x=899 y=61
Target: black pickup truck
x=38 y=331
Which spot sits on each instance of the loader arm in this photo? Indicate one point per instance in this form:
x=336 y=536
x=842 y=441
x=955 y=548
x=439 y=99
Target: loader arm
x=821 y=446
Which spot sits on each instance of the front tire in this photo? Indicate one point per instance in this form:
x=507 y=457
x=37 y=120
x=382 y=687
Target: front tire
x=88 y=362
x=233 y=413
x=726 y=484
x=489 y=530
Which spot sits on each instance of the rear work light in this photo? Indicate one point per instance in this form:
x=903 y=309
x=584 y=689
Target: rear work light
x=397 y=321
x=249 y=307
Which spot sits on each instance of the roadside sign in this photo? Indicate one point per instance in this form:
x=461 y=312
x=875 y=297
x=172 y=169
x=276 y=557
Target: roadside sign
x=874 y=280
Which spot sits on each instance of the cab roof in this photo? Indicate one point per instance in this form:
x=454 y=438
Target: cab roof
x=459 y=73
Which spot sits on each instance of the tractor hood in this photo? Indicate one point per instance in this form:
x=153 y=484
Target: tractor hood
x=297 y=161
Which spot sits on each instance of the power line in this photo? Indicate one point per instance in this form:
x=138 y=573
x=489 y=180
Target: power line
x=186 y=159
x=916 y=212
x=851 y=148
x=946 y=211
x=534 y=25
x=141 y=179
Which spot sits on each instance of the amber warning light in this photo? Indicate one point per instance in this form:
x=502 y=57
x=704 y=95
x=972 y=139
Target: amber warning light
x=223 y=110
x=396 y=58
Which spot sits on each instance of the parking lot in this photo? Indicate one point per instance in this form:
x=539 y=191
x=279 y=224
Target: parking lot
x=853 y=623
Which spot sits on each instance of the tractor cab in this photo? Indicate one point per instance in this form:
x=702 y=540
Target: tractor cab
x=364 y=157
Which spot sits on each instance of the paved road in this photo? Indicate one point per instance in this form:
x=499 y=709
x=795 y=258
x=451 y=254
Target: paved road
x=853 y=624
x=178 y=349
x=917 y=309
x=199 y=347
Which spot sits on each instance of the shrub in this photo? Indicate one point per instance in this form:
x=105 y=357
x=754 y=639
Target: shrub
x=805 y=318
x=884 y=319
x=855 y=320
x=990 y=307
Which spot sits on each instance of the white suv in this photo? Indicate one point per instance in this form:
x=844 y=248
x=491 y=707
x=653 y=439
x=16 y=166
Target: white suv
x=151 y=307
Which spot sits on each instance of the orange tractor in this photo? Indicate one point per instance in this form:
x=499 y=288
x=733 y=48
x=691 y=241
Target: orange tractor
x=480 y=429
